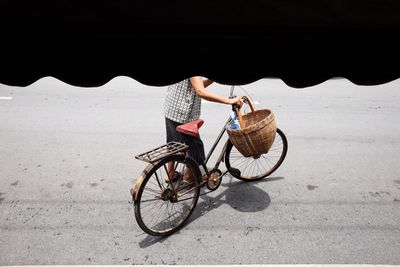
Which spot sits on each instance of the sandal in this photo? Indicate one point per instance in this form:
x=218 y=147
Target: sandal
x=177 y=175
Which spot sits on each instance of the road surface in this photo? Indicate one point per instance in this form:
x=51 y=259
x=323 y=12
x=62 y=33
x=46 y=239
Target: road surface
x=67 y=164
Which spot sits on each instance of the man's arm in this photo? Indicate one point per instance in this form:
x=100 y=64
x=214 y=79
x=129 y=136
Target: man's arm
x=200 y=88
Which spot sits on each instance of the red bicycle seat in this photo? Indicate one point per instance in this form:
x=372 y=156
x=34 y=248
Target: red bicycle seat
x=190 y=128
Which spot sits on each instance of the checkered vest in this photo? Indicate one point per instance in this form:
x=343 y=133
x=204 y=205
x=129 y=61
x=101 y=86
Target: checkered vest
x=182 y=104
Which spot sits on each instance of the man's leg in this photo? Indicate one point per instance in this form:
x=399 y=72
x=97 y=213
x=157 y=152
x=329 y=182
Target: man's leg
x=172 y=135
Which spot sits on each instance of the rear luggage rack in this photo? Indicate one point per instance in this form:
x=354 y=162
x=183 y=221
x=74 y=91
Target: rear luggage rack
x=163 y=151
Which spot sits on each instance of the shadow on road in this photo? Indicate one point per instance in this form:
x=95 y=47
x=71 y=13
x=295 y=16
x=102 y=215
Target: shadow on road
x=240 y=195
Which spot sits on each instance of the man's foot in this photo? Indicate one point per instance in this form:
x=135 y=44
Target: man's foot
x=173 y=179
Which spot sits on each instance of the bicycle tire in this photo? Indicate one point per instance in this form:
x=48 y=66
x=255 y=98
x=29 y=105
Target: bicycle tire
x=154 y=181
x=240 y=166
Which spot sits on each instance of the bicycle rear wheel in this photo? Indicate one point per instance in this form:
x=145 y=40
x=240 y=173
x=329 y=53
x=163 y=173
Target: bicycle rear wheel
x=162 y=207
x=255 y=168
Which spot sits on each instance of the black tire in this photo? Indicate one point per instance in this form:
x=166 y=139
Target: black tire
x=256 y=168
x=166 y=215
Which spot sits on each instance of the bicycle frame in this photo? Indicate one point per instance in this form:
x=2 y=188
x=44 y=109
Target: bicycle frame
x=214 y=146
x=216 y=142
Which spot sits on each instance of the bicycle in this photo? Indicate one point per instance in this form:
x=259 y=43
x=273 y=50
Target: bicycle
x=163 y=204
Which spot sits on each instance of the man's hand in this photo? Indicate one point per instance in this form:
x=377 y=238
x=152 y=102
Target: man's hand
x=237 y=101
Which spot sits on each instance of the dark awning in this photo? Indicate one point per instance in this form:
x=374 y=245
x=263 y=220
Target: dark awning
x=87 y=43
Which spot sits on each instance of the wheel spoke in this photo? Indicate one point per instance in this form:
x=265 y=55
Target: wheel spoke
x=159 y=209
x=253 y=168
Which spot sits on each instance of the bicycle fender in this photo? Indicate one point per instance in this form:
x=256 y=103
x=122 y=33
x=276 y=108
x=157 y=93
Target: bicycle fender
x=139 y=182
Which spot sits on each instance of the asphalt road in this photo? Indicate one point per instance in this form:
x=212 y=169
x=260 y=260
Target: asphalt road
x=67 y=164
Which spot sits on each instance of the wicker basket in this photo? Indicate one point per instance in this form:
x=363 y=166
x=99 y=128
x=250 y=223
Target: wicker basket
x=257 y=131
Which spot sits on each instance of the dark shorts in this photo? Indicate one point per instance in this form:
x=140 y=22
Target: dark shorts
x=196 y=146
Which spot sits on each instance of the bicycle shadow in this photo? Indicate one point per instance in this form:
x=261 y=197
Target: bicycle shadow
x=240 y=195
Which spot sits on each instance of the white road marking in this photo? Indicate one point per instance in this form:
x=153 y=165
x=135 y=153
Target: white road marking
x=6 y=97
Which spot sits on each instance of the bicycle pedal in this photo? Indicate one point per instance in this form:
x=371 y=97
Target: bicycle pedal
x=235 y=172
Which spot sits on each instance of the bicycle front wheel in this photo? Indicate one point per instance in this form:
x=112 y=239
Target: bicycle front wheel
x=258 y=167
x=163 y=204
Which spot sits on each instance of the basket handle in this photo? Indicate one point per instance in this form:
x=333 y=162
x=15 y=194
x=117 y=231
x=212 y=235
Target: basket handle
x=245 y=99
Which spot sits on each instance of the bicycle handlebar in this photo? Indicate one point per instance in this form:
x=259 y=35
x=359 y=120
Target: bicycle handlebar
x=235 y=107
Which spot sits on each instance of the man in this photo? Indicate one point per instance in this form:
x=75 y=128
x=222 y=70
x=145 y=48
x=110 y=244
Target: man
x=182 y=105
